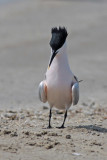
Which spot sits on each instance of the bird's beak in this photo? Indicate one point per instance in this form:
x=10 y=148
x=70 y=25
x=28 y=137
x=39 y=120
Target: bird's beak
x=52 y=57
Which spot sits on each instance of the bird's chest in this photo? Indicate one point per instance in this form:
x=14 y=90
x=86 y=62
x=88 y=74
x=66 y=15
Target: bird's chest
x=57 y=81
x=58 y=89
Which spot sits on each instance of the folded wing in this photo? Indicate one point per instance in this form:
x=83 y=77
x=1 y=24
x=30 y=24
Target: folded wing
x=43 y=92
x=75 y=93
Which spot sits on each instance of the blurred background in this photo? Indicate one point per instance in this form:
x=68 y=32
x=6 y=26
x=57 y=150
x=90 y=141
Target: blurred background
x=25 y=32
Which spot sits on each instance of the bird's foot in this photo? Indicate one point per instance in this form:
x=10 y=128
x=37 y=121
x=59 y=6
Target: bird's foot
x=49 y=127
x=61 y=127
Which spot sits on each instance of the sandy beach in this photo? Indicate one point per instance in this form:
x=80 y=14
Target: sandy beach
x=24 y=135
x=25 y=32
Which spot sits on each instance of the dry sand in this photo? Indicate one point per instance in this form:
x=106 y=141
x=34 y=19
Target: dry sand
x=24 y=53
x=24 y=135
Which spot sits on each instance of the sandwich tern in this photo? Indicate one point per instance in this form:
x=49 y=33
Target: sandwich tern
x=60 y=86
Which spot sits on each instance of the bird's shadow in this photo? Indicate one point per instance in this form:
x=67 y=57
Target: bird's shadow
x=93 y=128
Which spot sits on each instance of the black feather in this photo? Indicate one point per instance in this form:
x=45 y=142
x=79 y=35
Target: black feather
x=59 y=36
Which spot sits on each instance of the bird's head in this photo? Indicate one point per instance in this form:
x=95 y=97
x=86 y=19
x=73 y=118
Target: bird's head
x=58 y=39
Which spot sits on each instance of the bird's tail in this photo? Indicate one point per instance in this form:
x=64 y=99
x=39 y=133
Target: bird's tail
x=80 y=81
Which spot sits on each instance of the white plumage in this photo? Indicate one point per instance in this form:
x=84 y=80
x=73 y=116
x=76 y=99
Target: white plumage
x=61 y=87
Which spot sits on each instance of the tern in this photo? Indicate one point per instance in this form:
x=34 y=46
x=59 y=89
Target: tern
x=60 y=86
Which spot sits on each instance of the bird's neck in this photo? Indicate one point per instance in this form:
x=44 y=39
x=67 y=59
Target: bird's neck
x=61 y=59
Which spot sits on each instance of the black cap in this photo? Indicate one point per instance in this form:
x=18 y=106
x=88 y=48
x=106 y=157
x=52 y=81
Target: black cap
x=59 y=36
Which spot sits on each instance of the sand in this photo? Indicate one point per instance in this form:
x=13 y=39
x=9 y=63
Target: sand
x=24 y=135
x=25 y=28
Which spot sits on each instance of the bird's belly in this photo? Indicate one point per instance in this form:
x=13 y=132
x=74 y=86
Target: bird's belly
x=59 y=95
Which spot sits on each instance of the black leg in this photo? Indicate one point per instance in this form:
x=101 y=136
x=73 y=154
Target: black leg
x=65 y=116
x=50 y=114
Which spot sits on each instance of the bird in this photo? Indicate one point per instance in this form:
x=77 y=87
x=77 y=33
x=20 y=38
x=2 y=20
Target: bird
x=60 y=87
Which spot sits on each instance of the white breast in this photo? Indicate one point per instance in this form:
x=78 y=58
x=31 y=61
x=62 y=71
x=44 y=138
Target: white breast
x=59 y=79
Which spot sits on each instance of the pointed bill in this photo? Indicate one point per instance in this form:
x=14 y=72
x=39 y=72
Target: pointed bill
x=52 y=57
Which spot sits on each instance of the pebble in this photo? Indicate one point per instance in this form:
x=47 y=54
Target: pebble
x=38 y=134
x=105 y=117
x=56 y=143
x=96 y=143
x=60 y=112
x=32 y=143
x=45 y=107
x=49 y=146
x=76 y=154
x=84 y=104
x=68 y=136
x=44 y=132
x=22 y=117
x=14 y=134
x=6 y=132
x=93 y=133
x=92 y=104
x=11 y=116
x=26 y=133
x=52 y=134
x=11 y=111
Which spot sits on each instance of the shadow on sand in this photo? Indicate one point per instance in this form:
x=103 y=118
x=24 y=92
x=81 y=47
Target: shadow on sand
x=93 y=128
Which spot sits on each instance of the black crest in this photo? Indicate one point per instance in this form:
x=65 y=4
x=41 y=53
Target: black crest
x=58 y=37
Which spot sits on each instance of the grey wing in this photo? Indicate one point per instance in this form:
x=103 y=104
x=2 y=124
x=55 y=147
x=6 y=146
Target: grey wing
x=75 y=93
x=42 y=92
